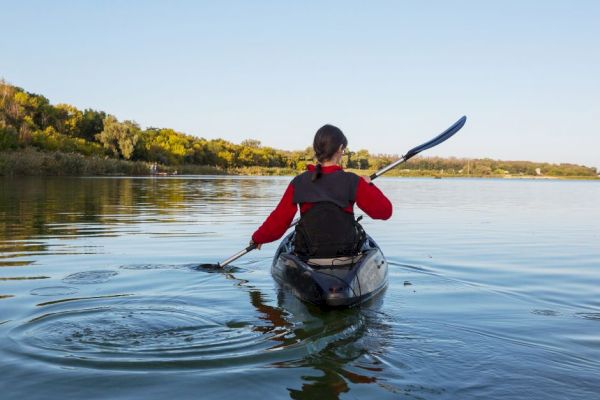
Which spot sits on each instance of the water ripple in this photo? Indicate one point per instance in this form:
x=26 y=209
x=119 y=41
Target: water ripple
x=150 y=333
x=546 y=313
x=589 y=316
x=89 y=277
x=54 y=291
x=137 y=267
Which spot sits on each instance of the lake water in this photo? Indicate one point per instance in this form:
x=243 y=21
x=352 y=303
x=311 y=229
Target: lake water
x=494 y=293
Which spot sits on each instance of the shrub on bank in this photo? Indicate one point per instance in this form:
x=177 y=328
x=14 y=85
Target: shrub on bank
x=33 y=162
x=263 y=171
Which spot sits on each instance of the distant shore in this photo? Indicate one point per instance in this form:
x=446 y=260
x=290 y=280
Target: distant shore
x=40 y=163
x=38 y=138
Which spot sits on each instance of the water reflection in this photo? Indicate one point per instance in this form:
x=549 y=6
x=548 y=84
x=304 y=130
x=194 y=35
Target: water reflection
x=23 y=278
x=342 y=359
x=490 y=282
x=109 y=207
x=339 y=344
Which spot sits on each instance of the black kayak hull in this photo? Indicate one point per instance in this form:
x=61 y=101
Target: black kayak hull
x=332 y=284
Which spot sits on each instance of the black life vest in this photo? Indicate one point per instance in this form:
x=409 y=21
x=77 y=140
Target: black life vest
x=326 y=230
x=338 y=187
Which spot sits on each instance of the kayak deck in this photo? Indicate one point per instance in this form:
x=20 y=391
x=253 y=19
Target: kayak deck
x=332 y=282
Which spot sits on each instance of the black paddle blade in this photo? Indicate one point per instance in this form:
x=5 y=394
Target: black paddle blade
x=209 y=267
x=442 y=137
x=216 y=268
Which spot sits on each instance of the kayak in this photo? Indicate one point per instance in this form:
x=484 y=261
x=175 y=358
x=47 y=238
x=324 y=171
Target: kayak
x=331 y=282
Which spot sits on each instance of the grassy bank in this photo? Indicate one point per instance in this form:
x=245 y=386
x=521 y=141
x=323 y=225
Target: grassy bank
x=424 y=173
x=31 y=162
x=34 y=162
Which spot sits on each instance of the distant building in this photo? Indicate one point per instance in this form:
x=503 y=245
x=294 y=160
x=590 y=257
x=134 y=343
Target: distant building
x=538 y=171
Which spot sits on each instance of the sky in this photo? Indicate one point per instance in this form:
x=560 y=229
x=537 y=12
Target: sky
x=390 y=74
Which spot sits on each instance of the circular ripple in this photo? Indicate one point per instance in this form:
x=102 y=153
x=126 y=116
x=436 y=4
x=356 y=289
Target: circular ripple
x=204 y=329
x=89 y=277
x=53 y=291
x=136 y=334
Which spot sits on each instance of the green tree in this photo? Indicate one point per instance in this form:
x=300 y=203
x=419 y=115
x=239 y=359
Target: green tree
x=70 y=119
x=91 y=124
x=251 y=143
x=362 y=159
x=119 y=138
x=9 y=138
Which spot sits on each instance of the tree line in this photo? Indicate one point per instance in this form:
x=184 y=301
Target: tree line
x=29 y=120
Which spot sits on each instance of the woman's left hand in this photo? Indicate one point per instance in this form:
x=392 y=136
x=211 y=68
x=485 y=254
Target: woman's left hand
x=258 y=245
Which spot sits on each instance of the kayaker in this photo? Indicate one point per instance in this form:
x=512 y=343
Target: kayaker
x=326 y=195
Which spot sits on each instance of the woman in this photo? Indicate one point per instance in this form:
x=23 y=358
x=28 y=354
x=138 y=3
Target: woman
x=326 y=195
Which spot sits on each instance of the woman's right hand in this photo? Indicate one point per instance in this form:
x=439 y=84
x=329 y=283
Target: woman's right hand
x=258 y=245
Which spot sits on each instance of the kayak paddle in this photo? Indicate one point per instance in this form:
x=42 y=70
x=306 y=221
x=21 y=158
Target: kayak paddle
x=442 y=137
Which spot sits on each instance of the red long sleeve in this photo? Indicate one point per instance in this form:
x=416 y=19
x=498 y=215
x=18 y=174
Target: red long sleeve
x=279 y=220
x=372 y=201
x=368 y=198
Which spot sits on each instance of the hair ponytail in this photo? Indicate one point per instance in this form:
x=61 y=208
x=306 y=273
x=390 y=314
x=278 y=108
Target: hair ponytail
x=318 y=172
x=327 y=142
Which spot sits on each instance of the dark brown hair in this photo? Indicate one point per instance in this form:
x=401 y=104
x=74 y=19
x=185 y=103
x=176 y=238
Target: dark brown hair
x=327 y=142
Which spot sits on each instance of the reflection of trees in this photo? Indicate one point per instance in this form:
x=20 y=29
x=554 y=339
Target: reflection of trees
x=42 y=207
x=33 y=209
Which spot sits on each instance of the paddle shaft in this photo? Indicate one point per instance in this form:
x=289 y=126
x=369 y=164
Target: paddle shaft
x=411 y=153
x=238 y=255
x=389 y=167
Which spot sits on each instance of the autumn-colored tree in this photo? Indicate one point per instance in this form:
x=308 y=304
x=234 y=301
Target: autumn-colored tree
x=250 y=143
x=70 y=119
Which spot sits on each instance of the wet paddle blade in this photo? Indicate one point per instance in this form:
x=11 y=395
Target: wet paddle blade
x=442 y=137
x=221 y=265
x=208 y=266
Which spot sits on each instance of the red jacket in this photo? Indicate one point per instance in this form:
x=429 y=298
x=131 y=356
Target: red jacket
x=368 y=198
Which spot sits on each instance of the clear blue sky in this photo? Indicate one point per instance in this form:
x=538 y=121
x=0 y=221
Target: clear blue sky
x=391 y=74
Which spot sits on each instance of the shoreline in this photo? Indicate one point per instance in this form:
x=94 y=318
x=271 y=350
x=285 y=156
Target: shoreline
x=39 y=163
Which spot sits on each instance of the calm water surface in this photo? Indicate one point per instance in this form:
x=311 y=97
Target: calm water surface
x=494 y=293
